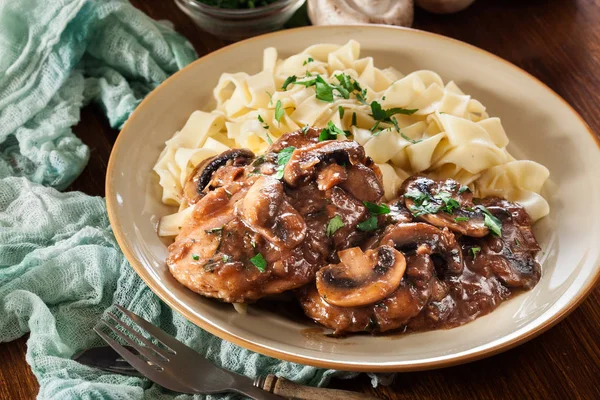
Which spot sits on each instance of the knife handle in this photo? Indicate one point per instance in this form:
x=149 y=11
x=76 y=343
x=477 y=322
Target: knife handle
x=288 y=389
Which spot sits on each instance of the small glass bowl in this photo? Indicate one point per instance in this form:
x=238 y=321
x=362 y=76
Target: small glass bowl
x=236 y=24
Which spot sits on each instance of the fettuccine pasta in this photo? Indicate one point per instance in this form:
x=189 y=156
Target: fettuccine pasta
x=446 y=134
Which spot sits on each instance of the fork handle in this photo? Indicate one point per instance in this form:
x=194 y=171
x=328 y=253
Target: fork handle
x=291 y=390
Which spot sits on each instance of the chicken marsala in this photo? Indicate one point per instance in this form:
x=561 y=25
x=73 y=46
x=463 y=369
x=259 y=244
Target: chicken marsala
x=309 y=215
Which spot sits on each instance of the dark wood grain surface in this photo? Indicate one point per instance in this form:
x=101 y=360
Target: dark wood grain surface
x=558 y=41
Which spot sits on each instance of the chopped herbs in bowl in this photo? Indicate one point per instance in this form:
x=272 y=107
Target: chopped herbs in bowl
x=238 y=3
x=239 y=19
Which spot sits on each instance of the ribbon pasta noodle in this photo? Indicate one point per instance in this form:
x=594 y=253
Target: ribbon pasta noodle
x=449 y=136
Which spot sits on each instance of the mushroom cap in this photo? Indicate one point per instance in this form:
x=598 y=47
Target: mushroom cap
x=425 y=238
x=465 y=220
x=349 y=12
x=361 y=278
x=266 y=211
x=202 y=175
x=304 y=161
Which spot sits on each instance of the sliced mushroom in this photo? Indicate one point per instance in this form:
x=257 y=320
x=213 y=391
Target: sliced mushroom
x=303 y=164
x=297 y=139
x=510 y=257
x=330 y=176
x=465 y=220
x=202 y=175
x=266 y=211
x=361 y=278
x=426 y=239
x=363 y=183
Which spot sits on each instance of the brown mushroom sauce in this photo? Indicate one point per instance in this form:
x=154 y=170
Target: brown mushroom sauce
x=309 y=215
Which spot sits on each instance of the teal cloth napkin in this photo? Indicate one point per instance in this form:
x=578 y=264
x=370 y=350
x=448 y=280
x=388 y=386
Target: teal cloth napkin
x=60 y=266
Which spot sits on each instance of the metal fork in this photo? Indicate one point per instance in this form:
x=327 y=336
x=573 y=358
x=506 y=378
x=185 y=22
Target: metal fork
x=176 y=367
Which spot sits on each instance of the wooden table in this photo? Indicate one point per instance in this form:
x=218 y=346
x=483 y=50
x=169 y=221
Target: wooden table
x=557 y=41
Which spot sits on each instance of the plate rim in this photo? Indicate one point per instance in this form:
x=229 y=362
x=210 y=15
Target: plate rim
x=465 y=357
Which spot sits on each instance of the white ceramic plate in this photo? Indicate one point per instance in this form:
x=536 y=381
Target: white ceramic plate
x=541 y=126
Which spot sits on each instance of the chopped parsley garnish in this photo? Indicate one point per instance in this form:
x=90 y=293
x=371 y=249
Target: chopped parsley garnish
x=324 y=90
x=425 y=204
x=335 y=224
x=379 y=114
x=341 y=111
x=412 y=141
x=309 y=60
x=376 y=129
x=474 y=251
x=304 y=129
x=463 y=189
x=278 y=111
x=226 y=258
x=195 y=257
x=282 y=158
x=450 y=204
x=376 y=209
x=354 y=118
x=368 y=225
x=517 y=242
x=214 y=230
x=259 y=262
x=270 y=97
x=330 y=132
x=491 y=221
x=289 y=80
x=262 y=121
x=461 y=219
x=269 y=140
x=362 y=96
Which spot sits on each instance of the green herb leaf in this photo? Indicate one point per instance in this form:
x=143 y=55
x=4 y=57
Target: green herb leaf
x=376 y=209
x=304 y=129
x=323 y=89
x=341 y=111
x=226 y=258
x=259 y=262
x=195 y=257
x=307 y=83
x=289 y=80
x=330 y=132
x=368 y=225
x=474 y=251
x=262 y=121
x=395 y=123
x=214 y=230
x=450 y=204
x=362 y=96
x=463 y=189
x=354 y=119
x=309 y=60
x=278 y=111
x=335 y=224
x=491 y=221
x=270 y=97
x=269 y=140
x=380 y=114
x=283 y=157
x=411 y=140
x=461 y=219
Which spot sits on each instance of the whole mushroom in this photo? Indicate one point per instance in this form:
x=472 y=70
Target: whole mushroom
x=350 y=12
x=444 y=6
